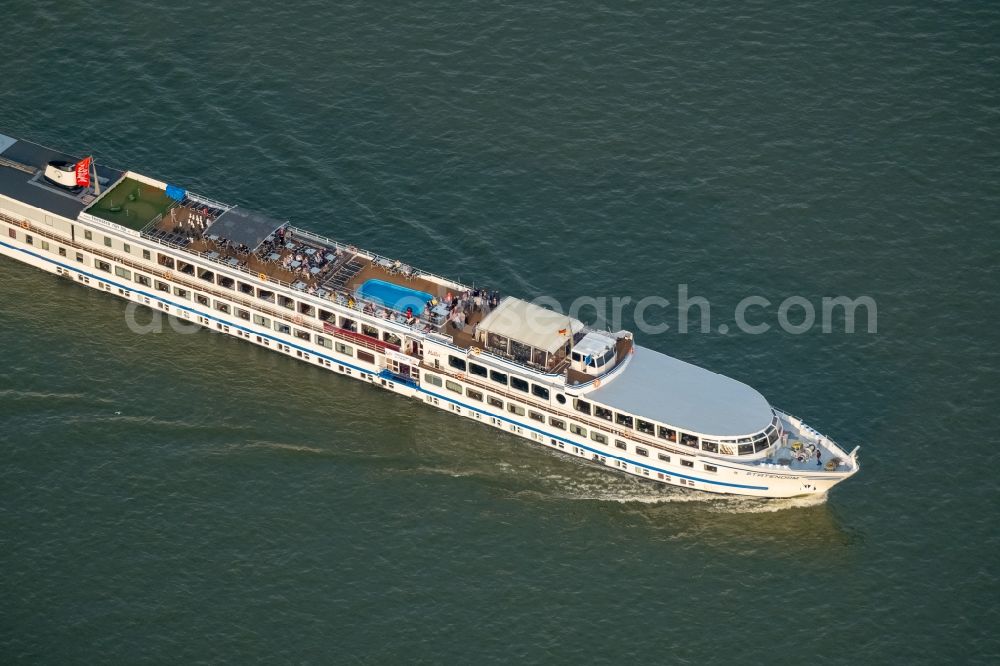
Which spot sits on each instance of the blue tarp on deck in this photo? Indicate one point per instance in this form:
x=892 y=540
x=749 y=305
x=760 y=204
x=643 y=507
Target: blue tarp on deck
x=176 y=193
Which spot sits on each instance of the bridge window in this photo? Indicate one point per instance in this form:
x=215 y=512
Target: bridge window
x=689 y=440
x=710 y=446
x=582 y=406
x=164 y=260
x=745 y=449
x=245 y=288
x=207 y=276
x=623 y=420
x=477 y=369
x=498 y=377
x=603 y=413
x=519 y=384
x=644 y=426
x=457 y=363
x=667 y=434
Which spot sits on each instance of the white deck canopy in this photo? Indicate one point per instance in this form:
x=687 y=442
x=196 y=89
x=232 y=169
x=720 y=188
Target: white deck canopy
x=515 y=325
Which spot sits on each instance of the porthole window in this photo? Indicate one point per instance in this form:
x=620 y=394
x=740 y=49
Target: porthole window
x=560 y=398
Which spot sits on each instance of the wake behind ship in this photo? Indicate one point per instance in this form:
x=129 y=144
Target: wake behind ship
x=496 y=359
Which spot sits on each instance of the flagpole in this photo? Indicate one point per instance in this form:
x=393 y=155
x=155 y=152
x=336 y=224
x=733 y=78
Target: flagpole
x=97 y=183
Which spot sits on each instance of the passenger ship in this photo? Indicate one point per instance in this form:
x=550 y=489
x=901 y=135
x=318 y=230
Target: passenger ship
x=505 y=362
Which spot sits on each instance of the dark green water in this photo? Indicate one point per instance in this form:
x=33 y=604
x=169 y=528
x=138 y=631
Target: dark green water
x=179 y=498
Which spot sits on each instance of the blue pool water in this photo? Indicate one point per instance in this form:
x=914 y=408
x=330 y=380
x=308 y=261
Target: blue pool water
x=393 y=296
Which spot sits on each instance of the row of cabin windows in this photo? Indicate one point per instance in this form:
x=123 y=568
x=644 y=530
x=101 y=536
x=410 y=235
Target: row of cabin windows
x=221 y=306
x=515 y=383
x=108 y=242
x=513 y=408
x=745 y=446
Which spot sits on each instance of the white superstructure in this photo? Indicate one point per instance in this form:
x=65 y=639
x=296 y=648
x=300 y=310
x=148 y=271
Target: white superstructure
x=504 y=362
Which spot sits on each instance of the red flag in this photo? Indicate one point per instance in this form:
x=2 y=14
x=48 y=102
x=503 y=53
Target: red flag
x=83 y=172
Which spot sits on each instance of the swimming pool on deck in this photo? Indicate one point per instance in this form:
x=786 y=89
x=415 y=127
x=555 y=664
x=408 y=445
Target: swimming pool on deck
x=394 y=296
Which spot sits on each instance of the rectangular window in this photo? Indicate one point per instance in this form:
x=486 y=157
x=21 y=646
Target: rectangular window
x=577 y=430
x=107 y=241
x=644 y=427
x=535 y=416
x=691 y=440
x=88 y=234
x=62 y=252
x=12 y=233
x=433 y=380
x=201 y=299
x=145 y=254
x=687 y=463
x=456 y=362
x=454 y=387
x=79 y=257
x=477 y=369
x=29 y=239
x=282 y=328
x=102 y=265
x=582 y=406
x=498 y=377
x=473 y=394
x=711 y=468
x=44 y=245
x=324 y=342
x=710 y=446
x=123 y=272
x=539 y=391
x=223 y=307
x=641 y=451
x=494 y=402
x=557 y=423
x=261 y=320
x=162 y=286
x=127 y=248
x=243 y=314
x=341 y=348
x=303 y=335
x=367 y=357
x=599 y=437
x=602 y=413
x=667 y=434
x=623 y=420
x=745 y=449
x=182 y=293
x=619 y=444
x=515 y=409
x=663 y=456
x=519 y=384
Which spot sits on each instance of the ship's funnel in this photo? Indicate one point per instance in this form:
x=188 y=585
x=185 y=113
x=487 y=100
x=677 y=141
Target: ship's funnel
x=61 y=173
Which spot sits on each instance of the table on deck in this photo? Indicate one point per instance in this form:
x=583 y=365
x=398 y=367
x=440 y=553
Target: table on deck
x=300 y=285
x=384 y=263
x=274 y=256
x=295 y=264
x=314 y=270
x=290 y=245
x=213 y=237
x=329 y=256
x=441 y=310
x=309 y=251
x=212 y=255
x=233 y=261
